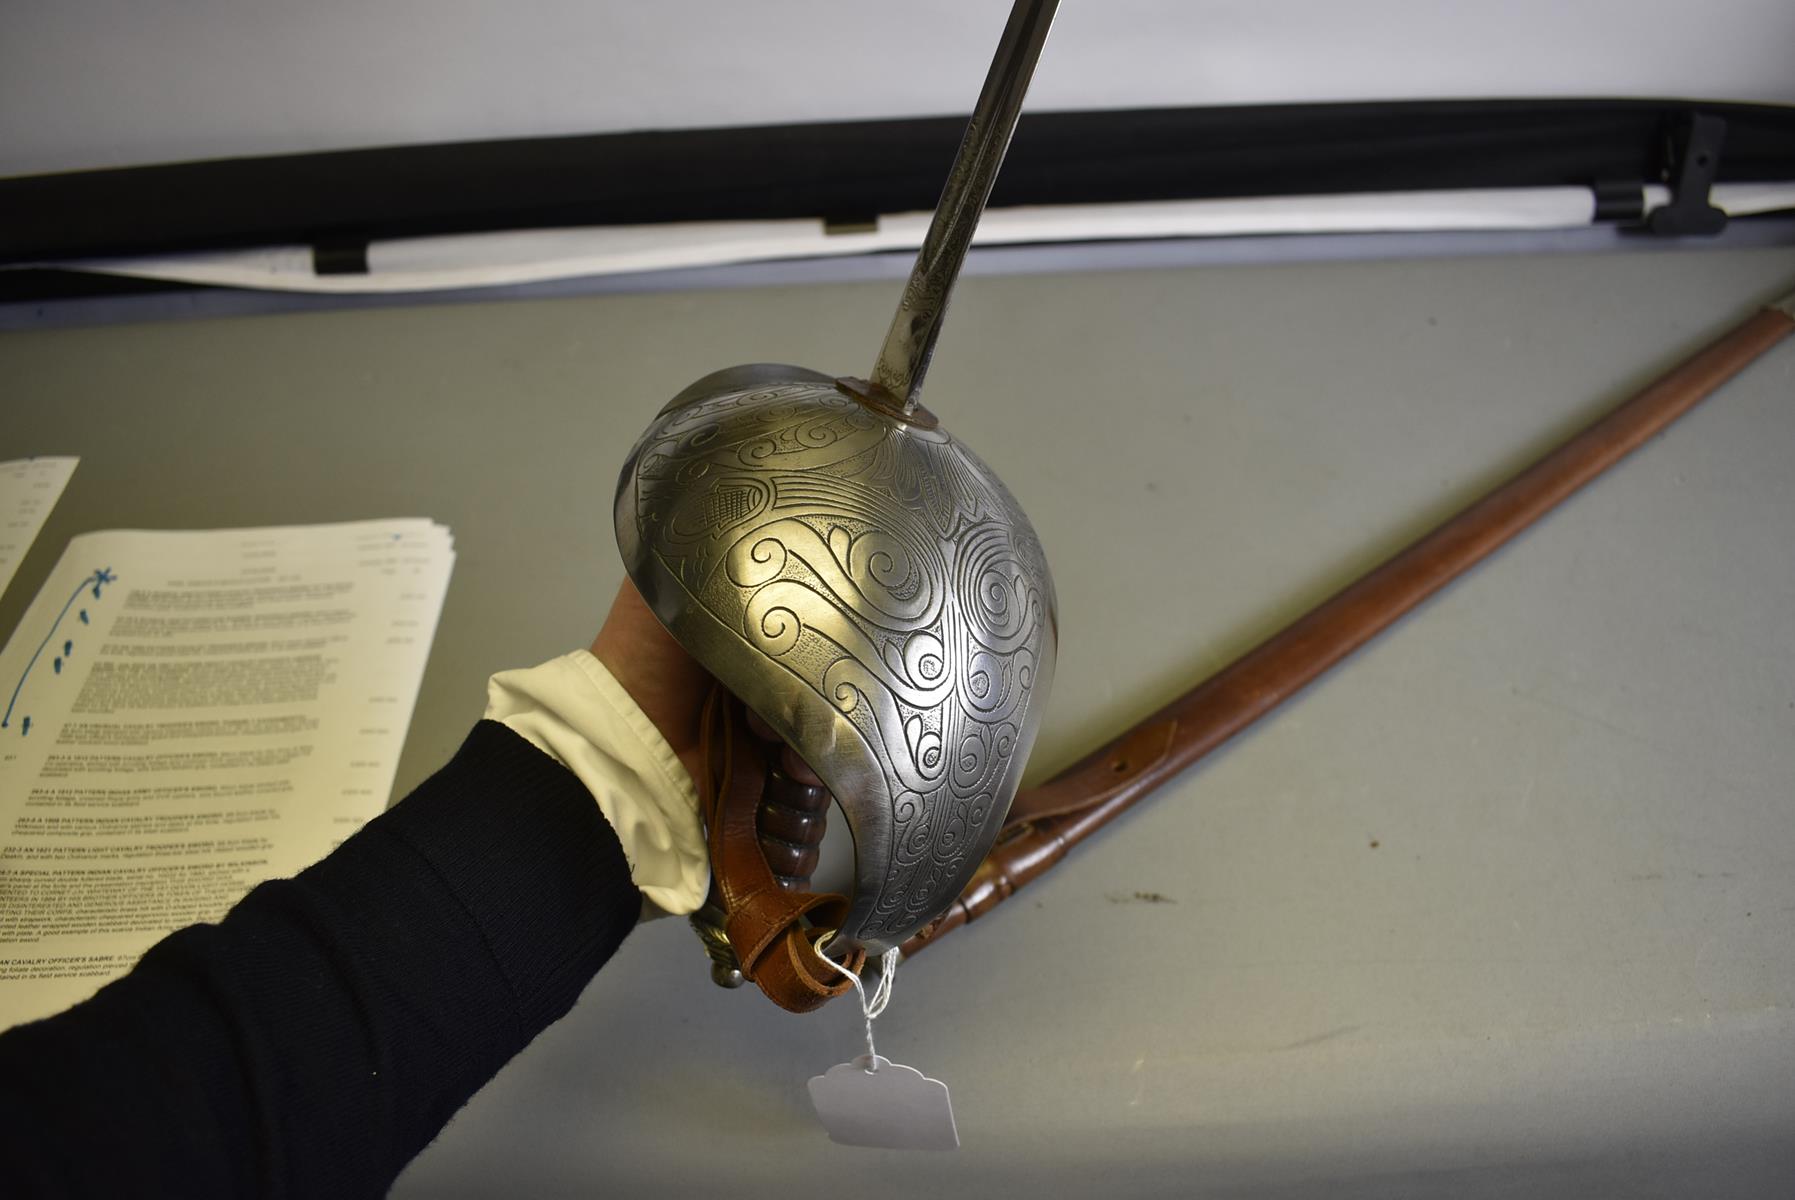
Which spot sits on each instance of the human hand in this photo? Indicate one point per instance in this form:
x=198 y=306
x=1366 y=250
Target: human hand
x=666 y=683
x=670 y=687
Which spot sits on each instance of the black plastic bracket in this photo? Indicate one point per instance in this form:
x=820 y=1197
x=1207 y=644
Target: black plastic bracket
x=1619 y=201
x=1692 y=159
x=340 y=256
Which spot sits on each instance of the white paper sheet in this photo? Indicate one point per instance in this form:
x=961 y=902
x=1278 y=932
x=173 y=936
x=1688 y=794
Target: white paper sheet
x=188 y=714
x=29 y=489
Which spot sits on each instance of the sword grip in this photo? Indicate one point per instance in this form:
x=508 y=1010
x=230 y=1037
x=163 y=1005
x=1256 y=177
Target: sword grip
x=793 y=812
x=792 y=818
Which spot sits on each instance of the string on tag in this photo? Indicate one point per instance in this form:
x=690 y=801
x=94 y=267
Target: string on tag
x=872 y=1006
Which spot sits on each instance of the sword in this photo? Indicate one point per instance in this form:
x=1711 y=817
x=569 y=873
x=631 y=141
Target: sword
x=1046 y=821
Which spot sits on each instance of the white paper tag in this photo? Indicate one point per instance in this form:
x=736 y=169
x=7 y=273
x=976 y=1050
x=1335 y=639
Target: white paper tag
x=892 y=1106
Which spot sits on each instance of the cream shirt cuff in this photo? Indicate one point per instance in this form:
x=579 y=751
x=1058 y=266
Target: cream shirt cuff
x=573 y=710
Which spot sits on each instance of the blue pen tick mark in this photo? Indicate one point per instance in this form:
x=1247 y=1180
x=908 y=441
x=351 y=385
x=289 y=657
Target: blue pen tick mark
x=94 y=582
x=57 y=663
x=68 y=648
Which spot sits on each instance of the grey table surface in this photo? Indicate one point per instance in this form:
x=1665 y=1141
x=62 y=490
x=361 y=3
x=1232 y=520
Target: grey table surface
x=1503 y=906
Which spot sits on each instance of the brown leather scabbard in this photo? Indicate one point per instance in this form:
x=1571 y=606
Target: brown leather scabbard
x=774 y=931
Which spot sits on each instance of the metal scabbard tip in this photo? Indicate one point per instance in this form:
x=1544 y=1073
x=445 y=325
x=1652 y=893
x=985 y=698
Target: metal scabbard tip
x=726 y=977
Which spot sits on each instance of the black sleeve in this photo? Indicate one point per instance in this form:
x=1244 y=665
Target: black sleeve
x=314 y=1040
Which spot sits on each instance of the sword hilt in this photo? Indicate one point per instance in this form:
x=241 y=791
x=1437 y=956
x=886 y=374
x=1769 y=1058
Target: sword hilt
x=791 y=821
x=793 y=813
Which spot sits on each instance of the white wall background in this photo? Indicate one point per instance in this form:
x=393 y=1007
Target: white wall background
x=93 y=83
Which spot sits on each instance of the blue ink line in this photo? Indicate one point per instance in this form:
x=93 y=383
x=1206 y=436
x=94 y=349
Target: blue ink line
x=103 y=575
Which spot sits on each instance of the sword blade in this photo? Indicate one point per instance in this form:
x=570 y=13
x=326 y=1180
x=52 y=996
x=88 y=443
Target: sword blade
x=910 y=343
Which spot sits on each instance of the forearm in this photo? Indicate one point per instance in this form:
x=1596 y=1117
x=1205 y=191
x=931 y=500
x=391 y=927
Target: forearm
x=320 y=1035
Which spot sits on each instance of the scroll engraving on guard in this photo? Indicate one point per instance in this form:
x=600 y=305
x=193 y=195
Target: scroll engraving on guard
x=868 y=590
x=900 y=588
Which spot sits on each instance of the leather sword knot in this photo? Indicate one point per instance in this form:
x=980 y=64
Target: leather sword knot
x=773 y=928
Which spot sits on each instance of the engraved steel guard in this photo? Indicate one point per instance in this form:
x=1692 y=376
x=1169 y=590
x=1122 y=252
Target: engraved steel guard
x=856 y=576
x=867 y=585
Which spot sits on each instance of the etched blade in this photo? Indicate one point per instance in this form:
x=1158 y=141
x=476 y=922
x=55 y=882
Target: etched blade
x=904 y=359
